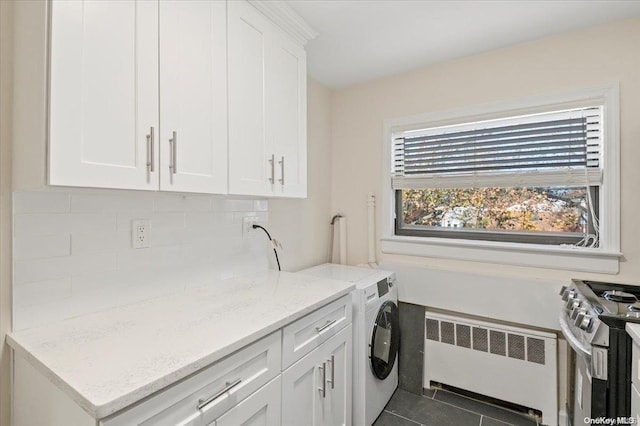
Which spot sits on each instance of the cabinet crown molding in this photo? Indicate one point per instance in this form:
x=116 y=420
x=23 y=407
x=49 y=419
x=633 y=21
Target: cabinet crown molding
x=286 y=18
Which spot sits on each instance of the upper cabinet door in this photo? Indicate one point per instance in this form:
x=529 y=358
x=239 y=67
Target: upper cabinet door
x=193 y=96
x=103 y=93
x=267 y=107
x=287 y=115
x=251 y=157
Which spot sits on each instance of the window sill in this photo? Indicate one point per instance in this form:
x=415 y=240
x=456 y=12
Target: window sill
x=532 y=255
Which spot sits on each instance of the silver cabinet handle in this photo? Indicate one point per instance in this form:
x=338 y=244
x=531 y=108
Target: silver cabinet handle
x=333 y=370
x=272 y=162
x=174 y=152
x=281 y=162
x=325 y=326
x=323 y=389
x=150 y=150
x=202 y=403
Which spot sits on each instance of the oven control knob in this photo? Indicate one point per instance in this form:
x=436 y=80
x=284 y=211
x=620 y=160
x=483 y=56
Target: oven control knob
x=569 y=294
x=562 y=290
x=586 y=322
x=581 y=313
x=572 y=304
x=575 y=310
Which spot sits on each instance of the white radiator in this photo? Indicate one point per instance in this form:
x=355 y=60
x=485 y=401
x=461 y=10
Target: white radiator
x=512 y=364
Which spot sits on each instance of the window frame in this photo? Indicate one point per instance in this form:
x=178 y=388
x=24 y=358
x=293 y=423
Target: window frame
x=604 y=259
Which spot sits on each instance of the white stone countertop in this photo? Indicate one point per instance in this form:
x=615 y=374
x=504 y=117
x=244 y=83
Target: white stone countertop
x=109 y=360
x=634 y=331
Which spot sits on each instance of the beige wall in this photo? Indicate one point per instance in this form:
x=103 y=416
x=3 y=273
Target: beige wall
x=302 y=226
x=5 y=204
x=584 y=59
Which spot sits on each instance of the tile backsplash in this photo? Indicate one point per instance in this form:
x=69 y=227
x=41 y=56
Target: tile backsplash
x=73 y=253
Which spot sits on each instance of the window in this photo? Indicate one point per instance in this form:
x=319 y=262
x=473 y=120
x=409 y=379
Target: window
x=531 y=179
x=529 y=182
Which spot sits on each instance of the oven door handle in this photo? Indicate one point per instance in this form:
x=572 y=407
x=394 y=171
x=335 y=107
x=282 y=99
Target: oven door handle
x=577 y=346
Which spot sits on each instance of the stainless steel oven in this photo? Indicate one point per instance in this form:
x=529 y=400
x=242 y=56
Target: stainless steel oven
x=593 y=323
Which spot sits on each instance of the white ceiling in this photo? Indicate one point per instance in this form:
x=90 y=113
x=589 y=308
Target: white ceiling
x=362 y=40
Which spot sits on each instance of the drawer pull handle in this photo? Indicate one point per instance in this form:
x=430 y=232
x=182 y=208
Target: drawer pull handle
x=228 y=386
x=333 y=370
x=325 y=326
x=323 y=389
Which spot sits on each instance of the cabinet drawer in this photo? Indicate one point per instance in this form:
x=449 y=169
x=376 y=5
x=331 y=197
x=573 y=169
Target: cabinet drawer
x=304 y=335
x=204 y=396
x=263 y=407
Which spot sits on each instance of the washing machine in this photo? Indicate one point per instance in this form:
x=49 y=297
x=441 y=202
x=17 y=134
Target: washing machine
x=376 y=336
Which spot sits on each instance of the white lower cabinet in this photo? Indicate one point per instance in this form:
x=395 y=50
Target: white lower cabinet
x=316 y=390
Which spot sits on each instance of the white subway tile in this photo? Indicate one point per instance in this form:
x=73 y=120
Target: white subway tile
x=199 y=253
x=207 y=220
x=33 y=270
x=95 y=263
x=109 y=281
x=84 y=203
x=40 y=202
x=92 y=222
x=166 y=237
x=96 y=242
x=40 y=224
x=232 y=205
x=167 y=220
x=42 y=292
x=260 y=205
x=150 y=259
x=41 y=246
x=198 y=203
x=194 y=240
x=169 y=203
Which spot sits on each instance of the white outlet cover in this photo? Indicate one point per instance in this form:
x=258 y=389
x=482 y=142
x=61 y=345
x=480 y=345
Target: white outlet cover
x=140 y=233
x=247 y=223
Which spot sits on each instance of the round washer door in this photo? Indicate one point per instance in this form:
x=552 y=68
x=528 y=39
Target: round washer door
x=385 y=340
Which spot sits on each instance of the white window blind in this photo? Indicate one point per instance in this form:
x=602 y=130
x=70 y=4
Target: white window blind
x=550 y=149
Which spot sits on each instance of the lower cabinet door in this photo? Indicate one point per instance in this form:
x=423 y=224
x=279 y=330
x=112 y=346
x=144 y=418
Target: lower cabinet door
x=302 y=391
x=316 y=390
x=262 y=408
x=337 y=403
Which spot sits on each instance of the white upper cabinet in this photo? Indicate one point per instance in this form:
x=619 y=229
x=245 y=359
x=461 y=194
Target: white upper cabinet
x=188 y=96
x=104 y=93
x=193 y=96
x=287 y=116
x=267 y=107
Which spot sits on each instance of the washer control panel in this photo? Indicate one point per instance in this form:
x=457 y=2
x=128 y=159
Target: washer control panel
x=383 y=287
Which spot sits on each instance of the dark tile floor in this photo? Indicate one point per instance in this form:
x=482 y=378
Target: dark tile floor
x=443 y=408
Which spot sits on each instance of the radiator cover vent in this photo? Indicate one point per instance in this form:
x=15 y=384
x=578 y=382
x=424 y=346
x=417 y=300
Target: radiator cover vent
x=505 y=362
x=499 y=343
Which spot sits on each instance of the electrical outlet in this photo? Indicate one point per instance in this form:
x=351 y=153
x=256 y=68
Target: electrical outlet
x=247 y=224
x=140 y=233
